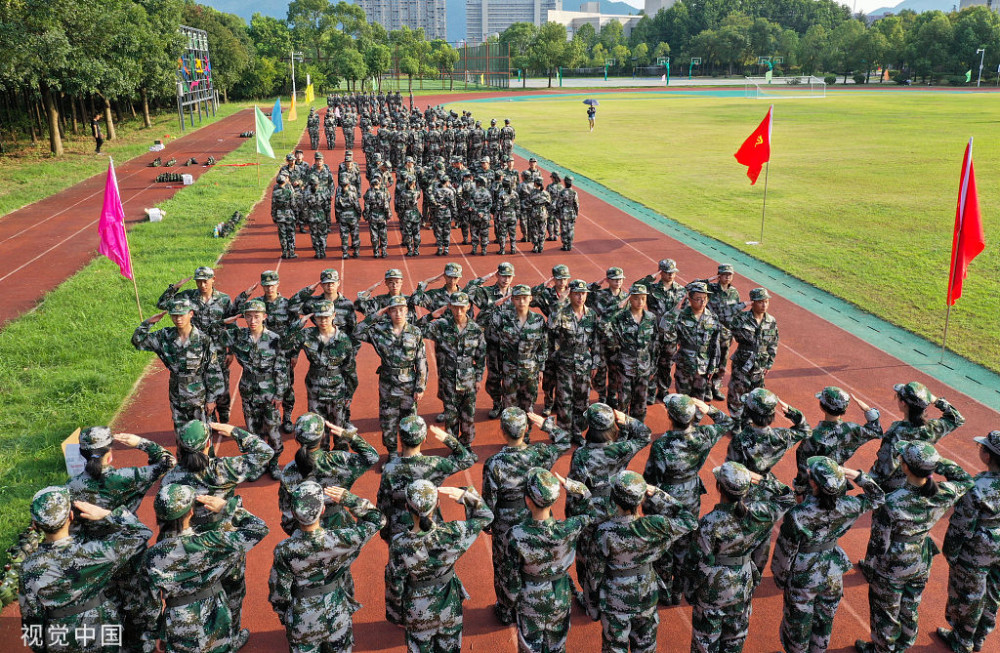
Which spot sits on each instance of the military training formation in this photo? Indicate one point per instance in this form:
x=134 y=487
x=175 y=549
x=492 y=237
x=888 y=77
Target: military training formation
x=569 y=367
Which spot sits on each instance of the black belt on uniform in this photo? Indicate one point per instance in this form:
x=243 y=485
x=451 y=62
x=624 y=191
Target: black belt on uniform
x=79 y=608
x=208 y=518
x=532 y=578
x=732 y=561
x=307 y=592
x=510 y=503
x=909 y=539
x=432 y=582
x=681 y=480
x=627 y=572
x=816 y=548
x=178 y=601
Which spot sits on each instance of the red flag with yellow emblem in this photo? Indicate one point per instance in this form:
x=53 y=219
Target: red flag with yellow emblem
x=756 y=150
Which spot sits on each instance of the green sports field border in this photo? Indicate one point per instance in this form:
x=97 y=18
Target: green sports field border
x=956 y=371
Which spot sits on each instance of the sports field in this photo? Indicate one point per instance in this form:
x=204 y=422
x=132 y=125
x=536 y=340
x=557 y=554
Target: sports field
x=861 y=197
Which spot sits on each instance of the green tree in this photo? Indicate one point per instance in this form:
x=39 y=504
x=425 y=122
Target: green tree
x=641 y=54
x=228 y=40
x=518 y=38
x=350 y=64
x=378 y=58
x=444 y=57
x=309 y=21
x=813 y=49
x=409 y=66
x=845 y=46
x=550 y=49
x=975 y=28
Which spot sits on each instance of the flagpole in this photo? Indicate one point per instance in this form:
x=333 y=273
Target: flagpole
x=957 y=245
x=256 y=149
x=763 y=210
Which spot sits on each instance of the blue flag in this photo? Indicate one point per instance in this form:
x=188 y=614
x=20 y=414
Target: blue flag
x=276 y=116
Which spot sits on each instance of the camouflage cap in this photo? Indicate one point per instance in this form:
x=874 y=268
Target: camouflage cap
x=697 y=286
x=393 y=273
x=628 y=488
x=734 y=478
x=759 y=294
x=600 y=416
x=459 y=299
x=289 y=157
x=410 y=159
x=173 y=501
x=324 y=308
x=833 y=399
x=95 y=437
x=422 y=497
x=348 y=155
x=667 y=265
x=555 y=175
x=181 y=307
x=568 y=179
x=412 y=430
x=680 y=408
x=329 y=275
x=513 y=422
x=493 y=121
x=638 y=289
x=307 y=502
x=255 y=305
x=914 y=393
x=578 y=285
x=505 y=269
x=560 y=272
x=485 y=159
x=827 y=474
x=309 y=429
x=991 y=441
x=466 y=173
x=615 y=273
x=761 y=401
x=920 y=457
x=542 y=487
x=506 y=121
x=204 y=272
x=194 y=435
x=725 y=268
x=50 y=507
x=269 y=278
x=452 y=270
x=532 y=160
x=318 y=155
x=397 y=300
x=521 y=290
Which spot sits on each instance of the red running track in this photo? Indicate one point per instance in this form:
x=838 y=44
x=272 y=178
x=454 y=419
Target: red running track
x=813 y=353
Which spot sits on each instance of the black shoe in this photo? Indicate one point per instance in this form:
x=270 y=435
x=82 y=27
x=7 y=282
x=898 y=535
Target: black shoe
x=862 y=646
x=223 y=417
x=317 y=256
x=717 y=394
x=948 y=637
x=439 y=418
x=355 y=254
x=274 y=472
x=494 y=412
x=293 y=255
x=345 y=255
x=286 y=424
x=483 y=253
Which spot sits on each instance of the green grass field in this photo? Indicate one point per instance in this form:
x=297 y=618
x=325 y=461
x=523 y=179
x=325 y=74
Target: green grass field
x=861 y=197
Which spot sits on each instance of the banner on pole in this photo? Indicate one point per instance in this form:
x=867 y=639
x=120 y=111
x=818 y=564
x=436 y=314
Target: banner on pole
x=111 y=226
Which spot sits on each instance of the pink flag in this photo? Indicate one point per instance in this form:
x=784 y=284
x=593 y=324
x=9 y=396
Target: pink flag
x=111 y=227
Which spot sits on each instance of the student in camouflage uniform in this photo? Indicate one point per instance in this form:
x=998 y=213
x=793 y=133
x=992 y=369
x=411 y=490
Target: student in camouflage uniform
x=211 y=307
x=912 y=400
x=265 y=375
x=409 y=217
x=972 y=548
x=326 y=183
x=350 y=458
x=568 y=208
x=628 y=545
x=674 y=461
x=187 y=567
x=722 y=573
x=505 y=208
x=479 y=216
x=554 y=189
x=331 y=356
x=423 y=594
x=412 y=465
x=691 y=338
x=199 y=467
x=460 y=352
x=833 y=437
x=330 y=127
x=367 y=305
x=317 y=216
x=492 y=147
x=65 y=585
x=485 y=297
x=629 y=337
x=437 y=298
x=507 y=136
x=306 y=583
x=725 y=304
x=756 y=335
x=808 y=564
x=524 y=347
x=349 y=169
x=900 y=551
x=283 y=209
x=348 y=122
x=185 y=352
x=376 y=213
x=505 y=476
x=575 y=342
x=665 y=296
x=539 y=553
x=606 y=302
x=613 y=439
x=445 y=210
x=312 y=126
x=539 y=201
x=402 y=375
x=347 y=208
x=549 y=300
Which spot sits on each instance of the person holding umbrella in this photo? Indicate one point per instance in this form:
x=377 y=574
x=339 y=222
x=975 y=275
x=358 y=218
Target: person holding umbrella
x=591 y=112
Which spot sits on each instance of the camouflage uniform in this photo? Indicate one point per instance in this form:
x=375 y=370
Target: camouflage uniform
x=554 y=189
x=900 y=552
x=479 y=218
x=605 y=304
x=318 y=218
x=548 y=300
x=312 y=126
x=283 y=209
x=505 y=207
x=627 y=546
x=725 y=305
x=376 y=212
x=64 y=585
x=402 y=373
x=972 y=548
x=808 y=564
x=423 y=594
x=757 y=344
x=694 y=345
x=507 y=136
x=722 y=573
x=505 y=475
x=347 y=207
x=675 y=459
x=306 y=587
x=576 y=344
x=187 y=363
x=347 y=125
x=539 y=201
x=661 y=301
x=409 y=219
x=484 y=298
x=461 y=361
x=523 y=350
x=331 y=366
x=330 y=127
x=569 y=209
x=189 y=570
x=630 y=360
x=445 y=209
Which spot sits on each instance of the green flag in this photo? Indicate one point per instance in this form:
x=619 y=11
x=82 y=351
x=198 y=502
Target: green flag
x=968 y=75
x=264 y=130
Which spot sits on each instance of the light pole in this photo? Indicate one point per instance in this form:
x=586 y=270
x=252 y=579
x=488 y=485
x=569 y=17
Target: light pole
x=982 y=53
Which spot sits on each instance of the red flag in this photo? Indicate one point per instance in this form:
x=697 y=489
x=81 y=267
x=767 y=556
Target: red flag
x=111 y=227
x=968 y=240
x=756 y=150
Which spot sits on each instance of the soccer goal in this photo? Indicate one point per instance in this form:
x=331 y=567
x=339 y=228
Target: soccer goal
x=771 y=88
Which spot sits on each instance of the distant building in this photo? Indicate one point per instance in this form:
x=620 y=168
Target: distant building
x=992 y=4
x=574 y=20
x=653 y=6
x=591 y=7
x=484 y=18
x=394 y=14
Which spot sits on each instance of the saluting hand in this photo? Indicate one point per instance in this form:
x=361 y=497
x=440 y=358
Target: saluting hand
x=213 y=504
x=127 y=439
x=862 y=405
x=620 y=417
x=224 y=429
x=231 y=320
x=182 y=282
x=252 y=287
x=156 y=318
x=453 y=493
x=536 y=419
x=335 y=493
x=90 y=512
